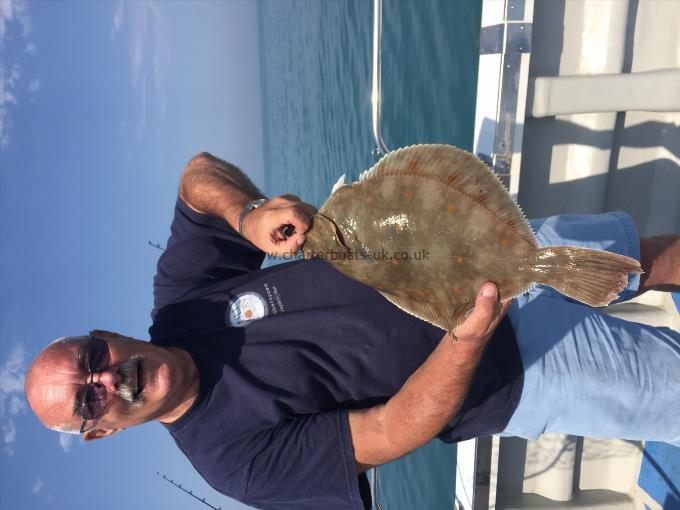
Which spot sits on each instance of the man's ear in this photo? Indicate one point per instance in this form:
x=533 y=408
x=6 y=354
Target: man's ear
x=93 y=434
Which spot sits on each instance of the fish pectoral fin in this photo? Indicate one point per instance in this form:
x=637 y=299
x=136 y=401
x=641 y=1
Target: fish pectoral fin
x=442 y=315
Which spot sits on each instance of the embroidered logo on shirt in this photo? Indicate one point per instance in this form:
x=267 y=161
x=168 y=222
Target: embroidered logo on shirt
x=247 y=307
x=274 y=298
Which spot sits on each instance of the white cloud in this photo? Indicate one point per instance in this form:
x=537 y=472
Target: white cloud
x=8 y=98
x=118 y=17
x=65 y=441
x=14 y=76
x=138 y=37
x=4 y=138
x=34 y=86
x=148 y=54
x=9 y=436
x=14 y=18
x=12 y=373
x=22 y=16
x=16 y=405
x=14 y=11
x=142 y=114
x=6 y=16
x=161 y=56
x=37 y=486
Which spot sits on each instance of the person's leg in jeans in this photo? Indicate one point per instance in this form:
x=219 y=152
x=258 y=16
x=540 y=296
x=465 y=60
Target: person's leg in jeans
x=590 y=374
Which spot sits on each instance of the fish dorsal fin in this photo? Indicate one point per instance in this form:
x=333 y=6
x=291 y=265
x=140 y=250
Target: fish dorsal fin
x=432 y=312
x=461 y=170
x=339 y=184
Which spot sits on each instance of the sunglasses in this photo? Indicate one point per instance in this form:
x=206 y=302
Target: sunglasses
x=96 y=358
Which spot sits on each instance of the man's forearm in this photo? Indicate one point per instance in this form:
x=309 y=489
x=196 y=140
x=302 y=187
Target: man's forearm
x=432 y=395
x=420 y=409
x=214 y=187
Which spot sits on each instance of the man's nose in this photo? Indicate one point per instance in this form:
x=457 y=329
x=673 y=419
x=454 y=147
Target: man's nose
x=109 y=378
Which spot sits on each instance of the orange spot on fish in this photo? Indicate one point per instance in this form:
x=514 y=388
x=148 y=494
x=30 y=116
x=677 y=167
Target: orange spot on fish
x=451 y=208
x=460 y=259
x=451 y=178
x=505 y=242
x=368 y=200
x=456 y=290
x=412 y=166
x=481 y=199
x=408 y=195
x=381 y=169
x=422 y=292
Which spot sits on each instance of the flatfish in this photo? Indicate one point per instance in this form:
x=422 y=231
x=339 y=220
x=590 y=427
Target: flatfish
x=429 y=224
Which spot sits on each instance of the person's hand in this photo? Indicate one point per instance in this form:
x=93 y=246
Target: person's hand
x=485 y=316
x=279 y=225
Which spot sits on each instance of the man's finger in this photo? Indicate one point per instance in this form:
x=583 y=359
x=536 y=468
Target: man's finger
x=288 y=216
x=288 y=196
x=307 y=209
x=483 y=315
x=300 y=221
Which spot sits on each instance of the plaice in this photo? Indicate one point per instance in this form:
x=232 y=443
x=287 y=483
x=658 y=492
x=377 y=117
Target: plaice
x=429 y=224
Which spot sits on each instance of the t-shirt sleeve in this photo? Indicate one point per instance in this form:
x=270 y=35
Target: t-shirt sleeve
x=307 y=463
x=201 y=250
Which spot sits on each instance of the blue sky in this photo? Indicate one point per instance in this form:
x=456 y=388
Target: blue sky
x=101 y=105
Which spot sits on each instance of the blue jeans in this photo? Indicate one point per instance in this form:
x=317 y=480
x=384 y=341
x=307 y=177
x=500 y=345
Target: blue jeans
x=586 y=373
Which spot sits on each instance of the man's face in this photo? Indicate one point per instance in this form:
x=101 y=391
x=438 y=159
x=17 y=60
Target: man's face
x=140 y=381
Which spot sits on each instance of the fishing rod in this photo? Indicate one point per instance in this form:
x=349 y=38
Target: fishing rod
x=156 y=245
x=179 y=486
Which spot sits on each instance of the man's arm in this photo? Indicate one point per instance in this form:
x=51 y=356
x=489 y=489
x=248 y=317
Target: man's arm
x=216 y=188
x=431 y=396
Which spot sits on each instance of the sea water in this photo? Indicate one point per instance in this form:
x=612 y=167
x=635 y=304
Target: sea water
x=316 y=59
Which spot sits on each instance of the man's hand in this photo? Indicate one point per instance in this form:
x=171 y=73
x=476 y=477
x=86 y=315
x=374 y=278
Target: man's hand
x=265 y=226
x=485 y=316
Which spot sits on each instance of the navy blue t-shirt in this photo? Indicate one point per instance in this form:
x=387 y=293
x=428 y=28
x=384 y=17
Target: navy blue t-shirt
x=283 y=353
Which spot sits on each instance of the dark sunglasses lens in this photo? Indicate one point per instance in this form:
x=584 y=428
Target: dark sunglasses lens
x=94 y=401
x=97 y=355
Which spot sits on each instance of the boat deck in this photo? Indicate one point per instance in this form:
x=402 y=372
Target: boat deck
x=564 y=152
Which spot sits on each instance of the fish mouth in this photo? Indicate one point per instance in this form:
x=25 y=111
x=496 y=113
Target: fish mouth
x=322 y=230
x=337 y=233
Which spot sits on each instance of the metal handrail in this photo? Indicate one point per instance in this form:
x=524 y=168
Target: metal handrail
x=380 y=149
x=374 y=491
x=375 y=90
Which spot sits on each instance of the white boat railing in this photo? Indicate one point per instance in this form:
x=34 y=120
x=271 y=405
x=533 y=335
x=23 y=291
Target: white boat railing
x=373 y=473
x=376 y=87
x=381 y=149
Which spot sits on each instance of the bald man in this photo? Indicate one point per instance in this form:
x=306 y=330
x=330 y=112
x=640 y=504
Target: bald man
x=284 y=385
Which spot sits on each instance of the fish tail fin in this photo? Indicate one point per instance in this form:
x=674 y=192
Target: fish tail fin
x=594 y=277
